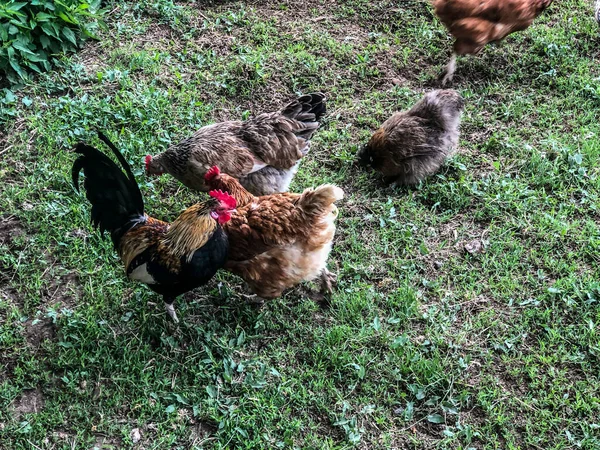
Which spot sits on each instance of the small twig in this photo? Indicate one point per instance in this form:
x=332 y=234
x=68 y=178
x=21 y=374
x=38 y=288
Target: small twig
x=32 y=444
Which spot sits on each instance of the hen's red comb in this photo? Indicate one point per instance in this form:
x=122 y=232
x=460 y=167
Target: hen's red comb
x=148 y=159
x=223 y=197
x=212 y=173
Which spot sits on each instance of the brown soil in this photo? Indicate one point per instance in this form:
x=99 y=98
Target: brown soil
x=10 y=229
x=39 y=330
x=31 y=401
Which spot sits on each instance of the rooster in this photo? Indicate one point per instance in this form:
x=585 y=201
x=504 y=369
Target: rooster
x=170 y=258
x=279 y=240
x=475 y=23
x=413 y=144
x=263 y=152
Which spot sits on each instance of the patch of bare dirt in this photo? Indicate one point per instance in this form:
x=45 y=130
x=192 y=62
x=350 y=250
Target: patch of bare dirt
x=8 y=294
x=10 y=229
x=459 y=238
x=31 y=401
x=39 y=330
x=62 y=289
x=200 y=432
x=103 y=442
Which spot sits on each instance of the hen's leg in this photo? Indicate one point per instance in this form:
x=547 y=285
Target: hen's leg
x=450 y=69
x=170 y=309
x=327 y=281
x=254 y=299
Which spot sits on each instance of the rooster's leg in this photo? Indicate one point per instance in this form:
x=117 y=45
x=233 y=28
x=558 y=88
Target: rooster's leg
x=327 y=281
x=450 y=69
x=171 y=311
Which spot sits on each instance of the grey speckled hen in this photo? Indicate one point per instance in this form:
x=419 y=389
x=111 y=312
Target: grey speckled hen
x=413 y=144
x=263 y=152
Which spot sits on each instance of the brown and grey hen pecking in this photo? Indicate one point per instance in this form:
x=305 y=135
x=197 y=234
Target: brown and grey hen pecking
x=263 y=152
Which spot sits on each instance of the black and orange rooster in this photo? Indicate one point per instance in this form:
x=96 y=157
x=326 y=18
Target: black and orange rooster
x=170 y=258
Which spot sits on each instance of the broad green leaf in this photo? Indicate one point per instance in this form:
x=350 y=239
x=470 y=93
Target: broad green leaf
x=435 y=418
x=16 y=6
x=49 y=30
x=68 y=33
x=68 y=18
x=44 y=41
x=23 y=48
x=40 y=56
x=3 y=32
x=17 y=68
x=33 y=66
x=42 y=16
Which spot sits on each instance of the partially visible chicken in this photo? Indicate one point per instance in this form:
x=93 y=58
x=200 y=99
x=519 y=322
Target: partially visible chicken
x=475 y=23
x=263 y=152
x=597 y=14
x=413 y=144
x=170 y=258
x=279 y=240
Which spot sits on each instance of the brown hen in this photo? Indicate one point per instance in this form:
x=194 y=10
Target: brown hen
x=262 y=152
x=279 y=240
x=413 y=144
x=475 y=23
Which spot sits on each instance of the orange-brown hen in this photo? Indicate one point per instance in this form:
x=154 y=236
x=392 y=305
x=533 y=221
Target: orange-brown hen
x=277 y=241
x=475 y=23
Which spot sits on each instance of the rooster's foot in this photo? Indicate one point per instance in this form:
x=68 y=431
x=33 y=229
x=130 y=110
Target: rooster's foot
x=171 y=312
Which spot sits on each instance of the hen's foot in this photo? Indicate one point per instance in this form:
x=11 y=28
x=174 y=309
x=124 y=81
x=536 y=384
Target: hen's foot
x=448 y=75
x=328 y=280
x=254 y=299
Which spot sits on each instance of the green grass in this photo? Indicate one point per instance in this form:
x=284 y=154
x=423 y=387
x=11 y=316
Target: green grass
x=423 y=346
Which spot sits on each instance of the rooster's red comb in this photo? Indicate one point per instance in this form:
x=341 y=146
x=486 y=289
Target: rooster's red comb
x=148 y=159
x=212 y=173
x=223 y=197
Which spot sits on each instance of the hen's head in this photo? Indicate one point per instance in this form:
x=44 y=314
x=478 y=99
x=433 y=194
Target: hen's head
x=224 y=205
x=153 y=167
x=367 y=154
x=364 y=156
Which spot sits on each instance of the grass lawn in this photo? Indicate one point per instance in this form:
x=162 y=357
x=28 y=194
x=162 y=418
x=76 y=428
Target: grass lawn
x=424 y=345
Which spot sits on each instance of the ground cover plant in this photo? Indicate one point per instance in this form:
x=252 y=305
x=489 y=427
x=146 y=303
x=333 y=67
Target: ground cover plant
x=466 y=313
x=32 y=33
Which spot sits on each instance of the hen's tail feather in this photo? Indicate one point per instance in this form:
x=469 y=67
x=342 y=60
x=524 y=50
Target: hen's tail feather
x=316 y=201
x=117 y=203
x=307 y=108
